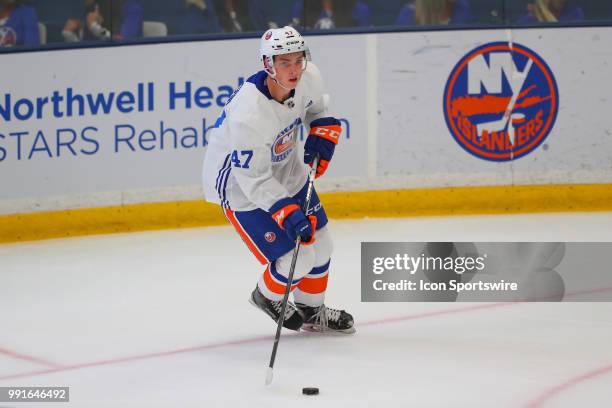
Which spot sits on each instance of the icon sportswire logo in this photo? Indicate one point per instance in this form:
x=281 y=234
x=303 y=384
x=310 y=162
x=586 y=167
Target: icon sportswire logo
x=501 y=101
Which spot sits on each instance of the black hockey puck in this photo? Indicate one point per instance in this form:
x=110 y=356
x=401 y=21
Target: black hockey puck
x=310 y=391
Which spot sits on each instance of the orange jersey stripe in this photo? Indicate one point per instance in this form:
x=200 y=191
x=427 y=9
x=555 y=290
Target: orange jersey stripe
x=313 y=286
x=274 y=286
x=258 y=254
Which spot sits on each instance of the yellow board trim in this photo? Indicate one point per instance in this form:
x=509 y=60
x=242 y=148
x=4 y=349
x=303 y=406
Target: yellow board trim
x=383 y=203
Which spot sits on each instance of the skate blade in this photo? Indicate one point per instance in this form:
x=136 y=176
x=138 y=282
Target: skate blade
x=317 y=329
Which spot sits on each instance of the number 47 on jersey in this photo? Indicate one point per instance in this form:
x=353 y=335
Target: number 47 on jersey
x=246 y=156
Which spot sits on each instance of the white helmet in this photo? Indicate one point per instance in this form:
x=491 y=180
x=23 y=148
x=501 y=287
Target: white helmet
x=279 y=41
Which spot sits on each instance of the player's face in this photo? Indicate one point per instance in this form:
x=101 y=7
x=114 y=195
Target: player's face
x=289 y=68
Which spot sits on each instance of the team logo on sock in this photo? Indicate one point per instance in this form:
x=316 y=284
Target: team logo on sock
x=270 y=237
x=501 y=101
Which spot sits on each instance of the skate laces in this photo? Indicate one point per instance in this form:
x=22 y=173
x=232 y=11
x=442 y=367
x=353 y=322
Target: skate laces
x=325 y=315
x=289 y=310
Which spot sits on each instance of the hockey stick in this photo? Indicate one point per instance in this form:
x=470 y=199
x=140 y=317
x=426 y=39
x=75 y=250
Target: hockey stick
x=296 y=250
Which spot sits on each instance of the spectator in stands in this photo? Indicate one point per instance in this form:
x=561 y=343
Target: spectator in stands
x=199 y=18
x=328 y=14
x=434 y=12
x=551 y=11
x=241 y=15
x=120 y=20
x=18 y=24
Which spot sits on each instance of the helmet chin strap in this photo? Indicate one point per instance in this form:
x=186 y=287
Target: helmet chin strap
x=279 y=83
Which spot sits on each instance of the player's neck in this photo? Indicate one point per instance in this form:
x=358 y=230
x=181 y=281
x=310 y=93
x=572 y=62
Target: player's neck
x=279 y=93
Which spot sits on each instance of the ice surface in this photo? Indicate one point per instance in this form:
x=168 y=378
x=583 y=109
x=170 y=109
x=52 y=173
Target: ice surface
x=161 y=319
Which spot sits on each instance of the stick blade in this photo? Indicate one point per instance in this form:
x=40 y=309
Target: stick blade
x=269 y=375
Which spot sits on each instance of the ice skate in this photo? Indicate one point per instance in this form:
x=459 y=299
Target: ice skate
x=326 y=320
x=293 y=319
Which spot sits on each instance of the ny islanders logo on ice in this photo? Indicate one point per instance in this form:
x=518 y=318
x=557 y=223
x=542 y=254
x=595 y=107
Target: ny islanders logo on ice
x=501 y=101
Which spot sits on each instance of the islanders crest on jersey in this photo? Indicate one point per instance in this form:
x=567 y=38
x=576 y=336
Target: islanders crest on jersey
x=8 y=37
x=285 y=141
x=501 y=101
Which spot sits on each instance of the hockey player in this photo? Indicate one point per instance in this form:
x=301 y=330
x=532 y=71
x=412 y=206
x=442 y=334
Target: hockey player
x=253 y=170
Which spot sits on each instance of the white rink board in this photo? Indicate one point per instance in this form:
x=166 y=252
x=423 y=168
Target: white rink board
x=415 y=143
x=401 y=133
x=106 y=165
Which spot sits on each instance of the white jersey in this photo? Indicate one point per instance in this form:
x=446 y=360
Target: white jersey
x=252 y=159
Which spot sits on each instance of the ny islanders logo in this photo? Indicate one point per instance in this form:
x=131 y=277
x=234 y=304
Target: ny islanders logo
x=8 y=37
x=285 y=141
x=501 y=101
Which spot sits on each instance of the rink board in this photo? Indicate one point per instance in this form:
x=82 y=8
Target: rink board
x=88 y=132
x=338 y=205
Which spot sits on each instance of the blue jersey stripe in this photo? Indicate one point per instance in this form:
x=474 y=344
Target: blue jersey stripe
x=221 y=171
x=223 y=180
x=220 y=120
x=280 y=277
x=224 y=189
x=318 y=270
